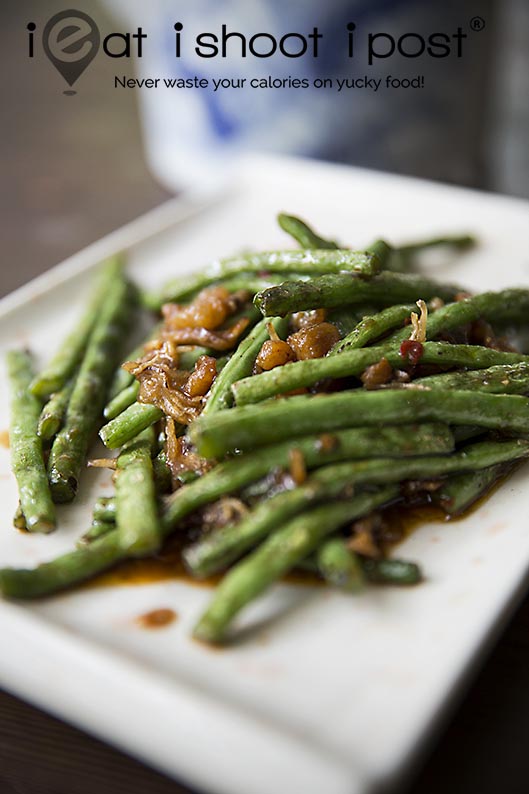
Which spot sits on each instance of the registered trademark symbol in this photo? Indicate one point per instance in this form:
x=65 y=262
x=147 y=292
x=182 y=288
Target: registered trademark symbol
x=477 y=24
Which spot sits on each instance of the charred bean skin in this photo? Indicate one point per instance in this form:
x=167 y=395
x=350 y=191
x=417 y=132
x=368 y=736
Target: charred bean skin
x=347 y=289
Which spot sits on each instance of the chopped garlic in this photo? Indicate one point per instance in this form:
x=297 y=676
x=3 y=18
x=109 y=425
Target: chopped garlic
x=418 y=333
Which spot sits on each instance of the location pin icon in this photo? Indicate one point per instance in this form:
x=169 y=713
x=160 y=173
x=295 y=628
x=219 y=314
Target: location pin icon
x=71 y=41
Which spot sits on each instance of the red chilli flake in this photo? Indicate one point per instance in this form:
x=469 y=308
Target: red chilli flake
x=412 y=351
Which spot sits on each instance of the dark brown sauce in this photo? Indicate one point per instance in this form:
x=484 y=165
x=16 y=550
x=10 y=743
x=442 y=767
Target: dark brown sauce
x=4 y=438
x=168 y=565
x=157 y=618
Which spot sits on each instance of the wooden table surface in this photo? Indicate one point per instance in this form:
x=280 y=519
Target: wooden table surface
x=73 y=170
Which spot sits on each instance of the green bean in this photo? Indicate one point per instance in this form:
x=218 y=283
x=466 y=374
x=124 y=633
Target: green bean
x=97 y=530
x=19 y=522
x=240 y=365
x=70 y=447
x=353 y=362
x=27 y=459
x=500 y=379
x=345 y=289
x=373 y=327
x=383 y=251
x=459 y=493
x=122 y=400
x=277 y=555
x=347 y=319
x=340 y=566
x=105 y=510
x=253 y=426
x=231 y=476
x=506 y=306
x=63 y=365
x=288 y=263
x=128 y=424
x=391 y=571
x=400 y=258
x=52 y=416
x=222 y=547
x=251 y=282
x=460 y=242
x=383 y=571
x=302 y=233
x=64 y=571
x=162 y=473
x=137 y=519
x=227 y=478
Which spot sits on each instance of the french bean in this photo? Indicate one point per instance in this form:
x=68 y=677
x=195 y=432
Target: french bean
x=374 y=326
x=52 y=416
x=97 y=530
x=240 y=364
x=346 y=319
x=500 y=308
x=353 y=362
x=26 y=447
x=224 y=479
x=253 y=426
x=460 y=492
x=400 y=258
x=64 y=571
x=286 y=262
x=137 y=519
x=277 y=555
x=105 y=509
x=345 y=289
x=122 y=400
x=231 y=476
x=128 y=424
x=340 y=566
x=19 y=522
x=86 y=404
x=64 y=363
x=302 y=233
x=460 y=242
x=500 y=379
x=220 y=548
x=391 y=571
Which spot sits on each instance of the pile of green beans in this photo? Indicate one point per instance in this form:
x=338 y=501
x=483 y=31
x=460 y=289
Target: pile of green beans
x=304 y=449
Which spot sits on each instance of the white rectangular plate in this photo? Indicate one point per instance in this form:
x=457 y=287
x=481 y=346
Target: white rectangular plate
x=329 y=693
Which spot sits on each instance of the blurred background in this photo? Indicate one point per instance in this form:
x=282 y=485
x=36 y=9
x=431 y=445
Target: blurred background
x=74 y=168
